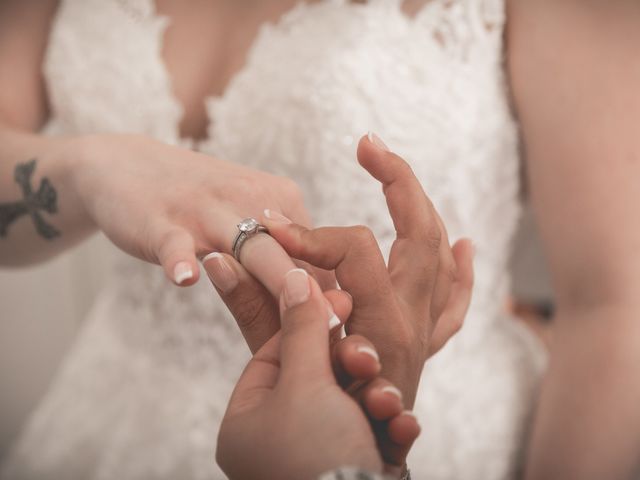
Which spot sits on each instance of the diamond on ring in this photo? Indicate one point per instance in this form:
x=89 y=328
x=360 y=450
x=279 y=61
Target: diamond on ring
x=248 y=225
x=247 y=228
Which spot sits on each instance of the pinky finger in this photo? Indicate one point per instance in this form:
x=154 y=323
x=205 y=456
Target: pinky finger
x=402 y=431
x=176 y=253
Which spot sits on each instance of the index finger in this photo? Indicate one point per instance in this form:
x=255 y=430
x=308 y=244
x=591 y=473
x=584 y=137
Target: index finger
x=352 y=252
x=420 y=255
x=411 y=210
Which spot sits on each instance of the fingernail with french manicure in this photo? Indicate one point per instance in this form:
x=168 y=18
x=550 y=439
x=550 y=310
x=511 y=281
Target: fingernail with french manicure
x=368 y=351
x=276 y=217
x=377 y=141
x=220 y=273
x=334 y=321
x=296 y=287
x=409 y=413
x=393 y=391
x=182 y=272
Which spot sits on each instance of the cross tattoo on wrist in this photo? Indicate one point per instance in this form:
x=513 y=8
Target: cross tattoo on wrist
x=44 y=199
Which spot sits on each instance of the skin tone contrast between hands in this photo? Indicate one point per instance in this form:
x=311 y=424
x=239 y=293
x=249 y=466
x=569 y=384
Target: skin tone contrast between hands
x=113 y=182
x=288 y=417
x=426 y=287
x=572 y=70
x=405 y=312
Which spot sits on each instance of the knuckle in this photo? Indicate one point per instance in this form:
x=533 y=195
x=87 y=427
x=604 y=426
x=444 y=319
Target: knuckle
x=405 y=345
x=362 y=236
x=244 y=187
x=402 y=339
x=433 y=239
x=306 y=243
x=403 y=167
x=290 y=189
x=168 y=236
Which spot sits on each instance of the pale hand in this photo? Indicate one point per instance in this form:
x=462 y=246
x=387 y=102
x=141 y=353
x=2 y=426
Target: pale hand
x=171 y=206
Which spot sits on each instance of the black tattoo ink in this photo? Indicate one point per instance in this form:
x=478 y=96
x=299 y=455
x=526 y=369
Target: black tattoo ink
x=44 y=199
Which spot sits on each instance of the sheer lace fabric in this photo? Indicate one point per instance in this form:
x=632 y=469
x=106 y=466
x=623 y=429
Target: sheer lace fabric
x=147 y=381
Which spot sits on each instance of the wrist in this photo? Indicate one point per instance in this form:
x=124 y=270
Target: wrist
x=74 y=157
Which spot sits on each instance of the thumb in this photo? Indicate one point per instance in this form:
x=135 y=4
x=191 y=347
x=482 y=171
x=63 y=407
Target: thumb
x=306 y=319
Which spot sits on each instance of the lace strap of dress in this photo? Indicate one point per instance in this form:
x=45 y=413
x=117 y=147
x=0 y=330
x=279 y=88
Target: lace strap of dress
x=492 y=13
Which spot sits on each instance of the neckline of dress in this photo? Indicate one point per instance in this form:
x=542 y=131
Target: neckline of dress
x=154 y=15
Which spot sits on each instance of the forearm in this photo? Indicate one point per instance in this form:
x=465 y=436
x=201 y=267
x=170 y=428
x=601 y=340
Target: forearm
x=588 y=422
x=40 y=211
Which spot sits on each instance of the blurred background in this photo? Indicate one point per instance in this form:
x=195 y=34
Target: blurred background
x=43 y=307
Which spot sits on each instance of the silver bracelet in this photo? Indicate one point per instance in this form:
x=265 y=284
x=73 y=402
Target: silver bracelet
x=354 y=473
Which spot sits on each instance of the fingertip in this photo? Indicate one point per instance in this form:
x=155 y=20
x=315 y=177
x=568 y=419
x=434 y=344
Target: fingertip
x=301 y=289
x=469 y=246
x=286 y=234
x=184 y=273
x=275 y=218
x=210 y=256
x=412 y=420
x=355 y=360
x=464 y=246
x=222 y=270
x=464 y=251
x=361 y=362
x=341 y=303
x=275 y=221
x=334 y=321
x=383 y=401
x=368 y=352
x=404 y=428
x=174 y=249
x=381 y=163
x=368 y=151
x=297 y=288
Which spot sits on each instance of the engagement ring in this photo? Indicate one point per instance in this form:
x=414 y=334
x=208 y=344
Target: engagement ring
x=247 y=228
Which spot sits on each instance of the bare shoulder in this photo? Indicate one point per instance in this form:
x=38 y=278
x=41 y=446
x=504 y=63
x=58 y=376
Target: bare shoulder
x=24 y=30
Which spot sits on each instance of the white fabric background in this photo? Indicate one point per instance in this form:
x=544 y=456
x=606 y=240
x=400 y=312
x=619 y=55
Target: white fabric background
x=40 y=310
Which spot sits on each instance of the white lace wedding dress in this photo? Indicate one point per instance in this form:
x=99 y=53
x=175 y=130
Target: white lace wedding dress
x=143 y=389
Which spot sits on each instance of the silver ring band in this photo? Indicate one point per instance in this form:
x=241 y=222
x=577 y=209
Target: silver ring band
x=247 y=228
